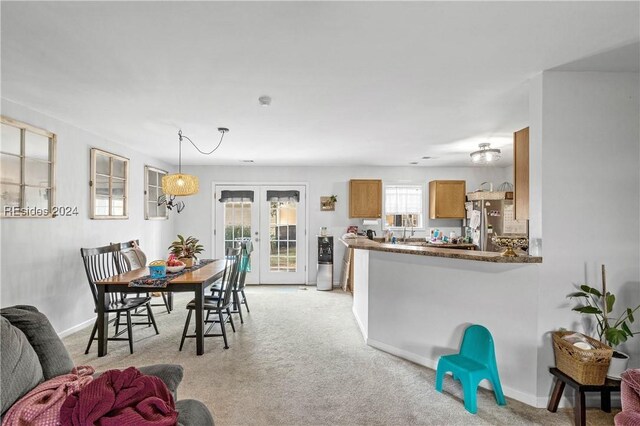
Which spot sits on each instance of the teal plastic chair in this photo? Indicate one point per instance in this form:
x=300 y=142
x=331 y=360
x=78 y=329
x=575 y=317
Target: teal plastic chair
x=475 y=362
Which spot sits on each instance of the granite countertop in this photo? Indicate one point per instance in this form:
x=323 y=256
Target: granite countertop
x=482 y=256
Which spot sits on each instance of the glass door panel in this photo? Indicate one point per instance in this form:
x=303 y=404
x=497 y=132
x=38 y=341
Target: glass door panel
x=237 y=219
x=283 y=221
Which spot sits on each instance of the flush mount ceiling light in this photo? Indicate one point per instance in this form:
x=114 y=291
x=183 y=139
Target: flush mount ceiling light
x=182 y=184
x=485 y=154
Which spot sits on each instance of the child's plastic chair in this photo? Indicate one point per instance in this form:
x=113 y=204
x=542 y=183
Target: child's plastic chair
x=475 y=362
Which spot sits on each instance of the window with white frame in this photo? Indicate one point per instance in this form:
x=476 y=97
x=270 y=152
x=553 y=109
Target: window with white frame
x=109 y=185
x=152 y=192
x=27 y=170
x=403 y=206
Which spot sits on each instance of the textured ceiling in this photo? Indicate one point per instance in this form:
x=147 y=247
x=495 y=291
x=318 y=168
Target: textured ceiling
x=353 y=83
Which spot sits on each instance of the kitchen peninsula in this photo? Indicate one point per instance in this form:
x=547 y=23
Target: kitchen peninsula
x=415 y=302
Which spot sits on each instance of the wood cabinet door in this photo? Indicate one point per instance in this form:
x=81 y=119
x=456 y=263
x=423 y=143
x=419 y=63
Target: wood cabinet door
x=521 y=173
x=446 y=199
x=365 y=198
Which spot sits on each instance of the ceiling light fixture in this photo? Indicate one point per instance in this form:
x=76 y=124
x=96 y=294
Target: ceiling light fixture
x=181 y=184
x=485 y=154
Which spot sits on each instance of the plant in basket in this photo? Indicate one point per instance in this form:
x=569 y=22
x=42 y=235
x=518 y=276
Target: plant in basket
x=610 y=329
x=186 y=250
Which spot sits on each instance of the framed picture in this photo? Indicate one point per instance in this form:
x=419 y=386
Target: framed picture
x=328 y=204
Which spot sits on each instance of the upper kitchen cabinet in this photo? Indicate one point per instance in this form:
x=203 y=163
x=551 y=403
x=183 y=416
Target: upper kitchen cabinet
x=521 y=173
x=446 y=199
x=365 y=198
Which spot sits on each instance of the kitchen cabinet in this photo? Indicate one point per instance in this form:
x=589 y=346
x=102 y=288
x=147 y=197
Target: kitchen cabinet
x=446 y=199
x=521 y=173
x=365 y=198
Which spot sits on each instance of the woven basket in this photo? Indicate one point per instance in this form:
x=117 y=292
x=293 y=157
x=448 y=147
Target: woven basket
x=585 y=366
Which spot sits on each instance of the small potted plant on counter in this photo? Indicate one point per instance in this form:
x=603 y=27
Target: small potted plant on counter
x=186 y=250
x=612 y=330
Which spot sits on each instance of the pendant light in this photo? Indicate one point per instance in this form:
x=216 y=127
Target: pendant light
x=485 y=154
x=182 y=184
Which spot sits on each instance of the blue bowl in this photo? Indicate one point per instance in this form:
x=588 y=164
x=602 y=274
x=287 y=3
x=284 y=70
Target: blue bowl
x=158 y=271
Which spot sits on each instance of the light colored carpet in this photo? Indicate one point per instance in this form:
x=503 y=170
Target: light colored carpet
x=300 y=359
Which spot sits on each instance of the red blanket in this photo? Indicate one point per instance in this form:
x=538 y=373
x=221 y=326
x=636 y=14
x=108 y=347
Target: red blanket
x=121 y=398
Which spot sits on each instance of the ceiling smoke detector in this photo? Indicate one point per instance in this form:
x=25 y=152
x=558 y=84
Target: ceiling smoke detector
x=264 y=101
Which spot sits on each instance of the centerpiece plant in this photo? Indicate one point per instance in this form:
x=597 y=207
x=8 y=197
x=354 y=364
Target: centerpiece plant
x=186 y=249
x=611 y=329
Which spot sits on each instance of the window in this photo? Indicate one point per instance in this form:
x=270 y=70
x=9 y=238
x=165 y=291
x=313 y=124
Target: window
x=109 y=185
x=152 y=192
x=403 y=205
x=27 y=170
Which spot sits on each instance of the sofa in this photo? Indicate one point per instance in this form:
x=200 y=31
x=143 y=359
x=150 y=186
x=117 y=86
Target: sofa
x=32 y=352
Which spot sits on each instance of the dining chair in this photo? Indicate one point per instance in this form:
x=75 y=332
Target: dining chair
x=475 y=362
x=132 y=257
x=239 y=297
x=218 y=306
x=101 y=263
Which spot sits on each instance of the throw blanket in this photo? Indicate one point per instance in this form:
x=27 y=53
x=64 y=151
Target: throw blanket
x=630 y=395
x=120 y=398
x=41 y=406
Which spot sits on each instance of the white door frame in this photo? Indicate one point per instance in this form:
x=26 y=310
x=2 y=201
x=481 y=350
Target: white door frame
x=253 y=183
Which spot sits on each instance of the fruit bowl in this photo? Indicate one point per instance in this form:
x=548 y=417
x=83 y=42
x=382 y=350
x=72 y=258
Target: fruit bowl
x=174 y=269
x=509 y=243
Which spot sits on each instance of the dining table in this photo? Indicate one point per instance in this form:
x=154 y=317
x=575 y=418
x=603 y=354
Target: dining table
x=195 y=281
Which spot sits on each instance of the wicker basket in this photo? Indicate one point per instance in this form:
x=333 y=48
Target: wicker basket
x=585 y=366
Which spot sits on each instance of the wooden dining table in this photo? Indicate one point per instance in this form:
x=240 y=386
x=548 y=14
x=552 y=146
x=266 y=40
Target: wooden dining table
x=193 y=281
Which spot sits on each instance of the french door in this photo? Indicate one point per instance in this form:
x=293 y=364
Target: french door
x=274 y=218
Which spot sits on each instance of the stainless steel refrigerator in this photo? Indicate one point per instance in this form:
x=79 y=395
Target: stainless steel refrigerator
x=487 y=218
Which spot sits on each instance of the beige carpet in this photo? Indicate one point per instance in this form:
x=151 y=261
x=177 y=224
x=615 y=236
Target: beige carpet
x=300 y=359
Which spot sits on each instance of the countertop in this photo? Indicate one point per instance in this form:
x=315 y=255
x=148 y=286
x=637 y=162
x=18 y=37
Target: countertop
x=364 y=243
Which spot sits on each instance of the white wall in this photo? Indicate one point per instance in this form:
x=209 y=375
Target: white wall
x=196 y=219
x=40 y=258
x=419 y=307
x=585 y=163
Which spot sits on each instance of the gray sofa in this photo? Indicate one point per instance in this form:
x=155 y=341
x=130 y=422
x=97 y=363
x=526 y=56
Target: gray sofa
x=32 y=352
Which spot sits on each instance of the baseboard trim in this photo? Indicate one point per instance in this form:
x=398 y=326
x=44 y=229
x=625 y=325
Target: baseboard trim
x=75 y=328
x=531 y=400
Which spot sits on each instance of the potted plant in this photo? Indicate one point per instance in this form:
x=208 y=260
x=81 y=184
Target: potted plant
x=186 y=250
x=612 y=330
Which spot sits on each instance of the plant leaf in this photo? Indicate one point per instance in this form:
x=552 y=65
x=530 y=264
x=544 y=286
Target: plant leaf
x=626 y=329
x=615 y=336
x=587 y=310
x=611 y=299
x=590 y=290
x=577 y=294
x=630 y=315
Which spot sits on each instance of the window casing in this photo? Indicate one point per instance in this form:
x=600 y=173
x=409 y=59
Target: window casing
x=27 y=170
x=109 y=185
x=152 y=191
x=404 y=206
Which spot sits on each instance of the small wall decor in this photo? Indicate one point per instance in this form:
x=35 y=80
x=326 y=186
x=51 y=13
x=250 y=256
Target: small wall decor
x=328 y=204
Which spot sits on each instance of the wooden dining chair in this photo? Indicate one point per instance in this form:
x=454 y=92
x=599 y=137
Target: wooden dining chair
x=101 y=263
x=219 y=307
x=132 y=257
x=239 y=297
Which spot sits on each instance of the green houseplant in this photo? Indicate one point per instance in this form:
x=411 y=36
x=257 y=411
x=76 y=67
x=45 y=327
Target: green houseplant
x=186 y=249
x=611 y=329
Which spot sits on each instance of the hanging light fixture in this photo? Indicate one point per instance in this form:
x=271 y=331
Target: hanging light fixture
x=182 y=184
x=485 y=154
